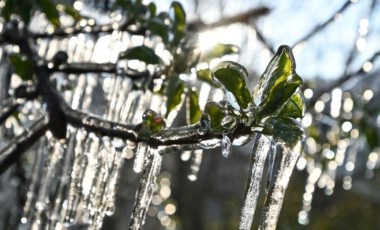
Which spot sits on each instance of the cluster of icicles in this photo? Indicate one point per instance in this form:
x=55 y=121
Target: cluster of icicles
x=73 y=183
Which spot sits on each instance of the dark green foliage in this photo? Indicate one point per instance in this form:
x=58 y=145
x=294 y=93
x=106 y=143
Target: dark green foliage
x=141 y=53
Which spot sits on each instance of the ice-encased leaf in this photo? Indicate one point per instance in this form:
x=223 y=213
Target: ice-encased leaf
x=212 y=117
x=193 y=111
x=285 y=130
x=219 y=50
x=217 y=118
x=277 y=84
x=295 y=107
x=205 y=75
x=174 y=92
x=232 y=79
x=141 y=53
x=179 y=27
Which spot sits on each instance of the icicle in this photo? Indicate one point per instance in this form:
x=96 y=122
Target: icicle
x=196 y=160
x=226 y=146
x=141 y=151
x=259 y=152
x=287 y=159
x=271 y=160
x=314 y=174
x=145 y=190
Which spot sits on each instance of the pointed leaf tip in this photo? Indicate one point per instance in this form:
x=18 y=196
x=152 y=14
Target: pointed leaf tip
x=278 y=83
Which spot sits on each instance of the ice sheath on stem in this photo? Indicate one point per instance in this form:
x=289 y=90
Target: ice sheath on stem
x=260 y=149
x=152 y=166
x=285 y=160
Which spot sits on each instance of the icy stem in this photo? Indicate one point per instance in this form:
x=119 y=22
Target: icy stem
x=282 y=169
x=146 y=188
x=140 y=155
x=259 y=152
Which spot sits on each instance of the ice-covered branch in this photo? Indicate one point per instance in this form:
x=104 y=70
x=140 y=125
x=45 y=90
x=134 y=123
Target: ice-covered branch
x=244 y=17
x=13 y=151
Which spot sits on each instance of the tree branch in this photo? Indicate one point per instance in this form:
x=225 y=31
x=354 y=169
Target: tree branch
x=320 y=27
x=342 y=80
x=199 y=26
x=7 y=108
x=20 y=144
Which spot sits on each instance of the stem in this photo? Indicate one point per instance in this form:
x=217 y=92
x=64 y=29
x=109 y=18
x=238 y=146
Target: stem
x=14 y=150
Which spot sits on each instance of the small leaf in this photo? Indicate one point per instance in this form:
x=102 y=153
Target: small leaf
x=193 y=110
x=70 y=11
x=219 y=50
x=295 y=107
x=278 y=83
x=23 y=67
x=205 y=75
x=286 y=130
x=141 y=53
x=174 y=92
x=152 y=9
x=179 y=27
x=212 y=117
x=370 y=133
x=157 y=26
x=231 y=77
x=50 y=10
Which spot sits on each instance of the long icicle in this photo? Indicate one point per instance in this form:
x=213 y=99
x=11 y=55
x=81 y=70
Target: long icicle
x=146 y=188
x=260 y=150
x=285 y=160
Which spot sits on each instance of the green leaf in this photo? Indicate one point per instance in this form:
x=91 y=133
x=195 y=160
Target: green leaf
x=295 y=107
x=23 y=67
x=232 y=78
x=278 y=83
x=193 y=110
x=152 y=9
x=205 y=75
x=179 y=27
x=219 y=50
x=20 y=7
x=174 y=92
x=50 y=10
x=285 y=130
x=70 y=11
x=370 y=133
x=212 y=117
x=141 y=53
x=158 y=27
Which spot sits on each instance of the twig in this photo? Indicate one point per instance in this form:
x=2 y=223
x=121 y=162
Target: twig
x=342 y=80
x=199 y=26
x=324 y=24
x=14 y=150
x=263 y=40
x=7 y=108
